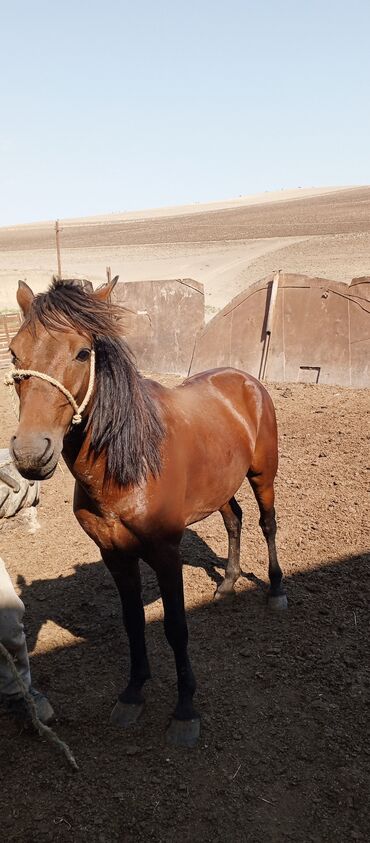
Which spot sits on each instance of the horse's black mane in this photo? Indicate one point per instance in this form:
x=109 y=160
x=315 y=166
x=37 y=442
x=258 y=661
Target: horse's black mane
x=125 y=421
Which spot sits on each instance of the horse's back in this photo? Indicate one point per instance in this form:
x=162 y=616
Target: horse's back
x=222 y=377
x=233 y=385
x=249 y=400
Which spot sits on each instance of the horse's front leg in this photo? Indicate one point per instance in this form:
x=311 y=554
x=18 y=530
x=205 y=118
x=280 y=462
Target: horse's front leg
x=126 y=574
x=184 y=729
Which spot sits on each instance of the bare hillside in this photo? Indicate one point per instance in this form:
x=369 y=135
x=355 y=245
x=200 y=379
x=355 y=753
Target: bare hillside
x=225 y=248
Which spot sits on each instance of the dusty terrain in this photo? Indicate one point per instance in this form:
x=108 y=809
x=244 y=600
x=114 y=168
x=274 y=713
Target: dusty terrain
x=284 y=753
x=227 y=246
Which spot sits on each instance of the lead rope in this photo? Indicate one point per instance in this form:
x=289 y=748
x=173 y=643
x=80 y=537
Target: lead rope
x=43 y=730
x=18 y=375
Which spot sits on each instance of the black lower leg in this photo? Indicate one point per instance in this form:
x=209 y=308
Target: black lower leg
x=126 y=575
x=268 y=526
x=134 y=622
x=263 y=488
x=171 y=585
x=184 y=728
x=176 y=631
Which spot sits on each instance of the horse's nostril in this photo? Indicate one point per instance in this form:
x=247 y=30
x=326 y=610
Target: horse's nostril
x=13 y=448
x=48 y=447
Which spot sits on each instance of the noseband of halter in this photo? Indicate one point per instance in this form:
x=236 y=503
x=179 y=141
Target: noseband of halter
x=20 y=374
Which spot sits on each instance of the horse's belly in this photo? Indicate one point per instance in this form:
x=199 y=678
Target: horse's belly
x=215 y=482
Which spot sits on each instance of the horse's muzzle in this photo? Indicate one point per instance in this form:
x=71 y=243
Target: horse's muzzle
x=35 y=457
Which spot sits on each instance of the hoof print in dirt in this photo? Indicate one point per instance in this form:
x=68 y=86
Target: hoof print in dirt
x=183 y=732
x=276 y=602
x=126 y=715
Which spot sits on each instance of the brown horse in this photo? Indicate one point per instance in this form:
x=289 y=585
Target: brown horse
x=147 y=461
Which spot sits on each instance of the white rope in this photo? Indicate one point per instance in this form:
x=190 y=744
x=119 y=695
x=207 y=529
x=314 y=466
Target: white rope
x=19 y=374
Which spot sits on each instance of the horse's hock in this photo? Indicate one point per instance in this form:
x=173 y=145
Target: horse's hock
x=162 y=322
x=292 y=328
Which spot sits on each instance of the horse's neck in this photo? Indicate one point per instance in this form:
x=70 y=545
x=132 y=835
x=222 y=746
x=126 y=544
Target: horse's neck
x=87 y=468
x=77 y=455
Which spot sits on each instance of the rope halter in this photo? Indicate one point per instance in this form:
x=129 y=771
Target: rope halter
x=19 y=374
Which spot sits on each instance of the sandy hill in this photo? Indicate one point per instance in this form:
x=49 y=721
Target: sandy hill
x=226 y=245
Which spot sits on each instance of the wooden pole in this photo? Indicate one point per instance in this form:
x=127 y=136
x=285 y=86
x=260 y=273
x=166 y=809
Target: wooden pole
x=109 y=274
x=57 y=232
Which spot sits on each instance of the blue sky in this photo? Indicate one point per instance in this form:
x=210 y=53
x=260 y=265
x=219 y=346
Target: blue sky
x=112 y=106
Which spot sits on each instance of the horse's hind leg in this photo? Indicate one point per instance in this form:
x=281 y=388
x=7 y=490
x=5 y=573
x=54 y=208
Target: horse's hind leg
x=126 y=574
x=232 y=517
x=263 y=489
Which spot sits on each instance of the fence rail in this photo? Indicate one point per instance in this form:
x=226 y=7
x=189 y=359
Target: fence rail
x=9 y=325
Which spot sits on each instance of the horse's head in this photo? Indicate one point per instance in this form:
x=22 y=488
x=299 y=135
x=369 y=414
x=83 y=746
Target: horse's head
x=53 y=343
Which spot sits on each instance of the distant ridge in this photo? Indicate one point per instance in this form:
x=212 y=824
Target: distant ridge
x=267 y=197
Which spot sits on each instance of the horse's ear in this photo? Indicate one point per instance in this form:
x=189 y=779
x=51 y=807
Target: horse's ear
x=103 y=293
x=24 y=297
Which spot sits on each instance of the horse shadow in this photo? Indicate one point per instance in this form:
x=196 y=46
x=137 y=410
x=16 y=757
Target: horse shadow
x=86 y=603
x=283 y=698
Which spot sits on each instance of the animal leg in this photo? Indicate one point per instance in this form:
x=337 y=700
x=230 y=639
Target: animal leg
x=126 y=574
x=184 y=729
x=232 y=516
x=265 y=497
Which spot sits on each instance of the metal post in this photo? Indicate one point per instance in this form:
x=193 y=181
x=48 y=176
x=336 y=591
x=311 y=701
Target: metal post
x=269 y=324
x=57 y=231
x=109 y=274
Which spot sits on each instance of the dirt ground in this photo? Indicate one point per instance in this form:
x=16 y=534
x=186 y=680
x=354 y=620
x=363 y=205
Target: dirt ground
x=284 y=753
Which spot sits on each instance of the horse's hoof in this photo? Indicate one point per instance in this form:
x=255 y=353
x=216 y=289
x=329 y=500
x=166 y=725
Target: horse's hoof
x=183 y=732
x=223 y=595
x=126 y=715
x=276 y=602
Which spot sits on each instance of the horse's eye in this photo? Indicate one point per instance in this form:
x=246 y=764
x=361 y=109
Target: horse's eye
x=13 y=358
x=83 y=355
